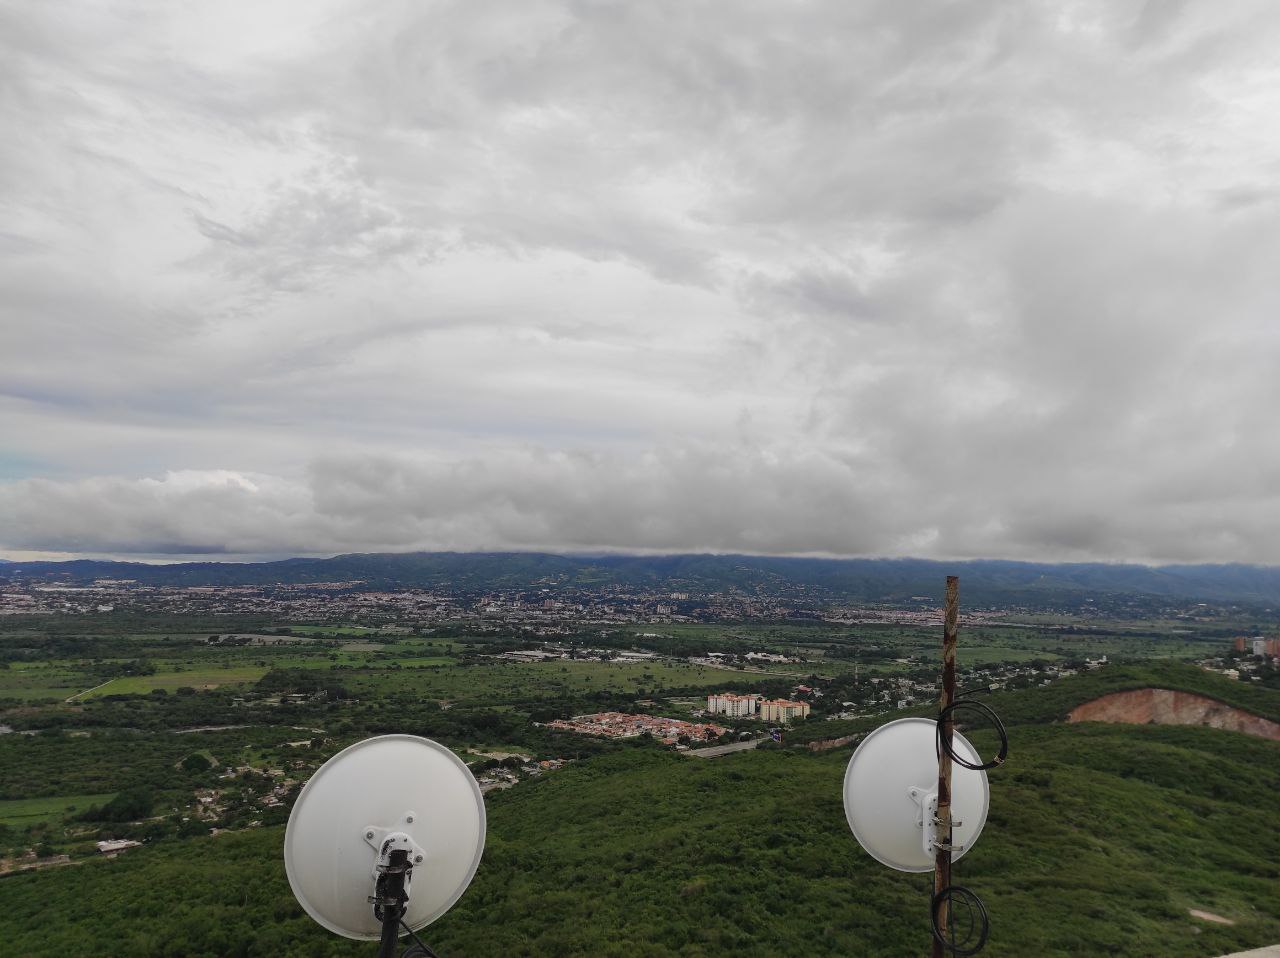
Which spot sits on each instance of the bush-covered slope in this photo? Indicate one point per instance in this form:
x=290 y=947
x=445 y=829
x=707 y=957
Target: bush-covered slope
x=1053 y=702
x=1099 y=841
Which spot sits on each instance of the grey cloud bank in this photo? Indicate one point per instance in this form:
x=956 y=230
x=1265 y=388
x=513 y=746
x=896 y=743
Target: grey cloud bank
x=952 y=280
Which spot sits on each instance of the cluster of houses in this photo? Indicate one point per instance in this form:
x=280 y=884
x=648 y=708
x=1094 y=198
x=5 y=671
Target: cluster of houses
x=627 y=725
x=748 y=658
x=505 y=777
x=551 y=651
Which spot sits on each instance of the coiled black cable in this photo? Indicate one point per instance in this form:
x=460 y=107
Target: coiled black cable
x=978 y=924
x=944 y=745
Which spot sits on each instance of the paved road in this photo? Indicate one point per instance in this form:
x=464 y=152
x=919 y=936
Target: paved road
x=717 y=750
x=87 y=691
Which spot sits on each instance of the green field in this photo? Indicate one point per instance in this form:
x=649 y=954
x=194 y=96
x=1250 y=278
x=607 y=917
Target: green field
x=335 y=630
x=355 y=658
x=42 y=680
x=420 y=661
x=197 y=678
x=492 y=683
x=1049 y=637
x=29 y=811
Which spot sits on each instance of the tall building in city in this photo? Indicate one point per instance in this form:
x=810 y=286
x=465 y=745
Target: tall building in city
x=735 y=706
x=1265 y=646
x=783 y=711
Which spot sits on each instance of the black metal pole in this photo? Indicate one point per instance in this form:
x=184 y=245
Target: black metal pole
x=390 y=931
x=391 y=899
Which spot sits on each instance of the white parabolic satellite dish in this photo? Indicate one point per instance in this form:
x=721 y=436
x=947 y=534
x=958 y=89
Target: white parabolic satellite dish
x=392 y=783
x=889 y=783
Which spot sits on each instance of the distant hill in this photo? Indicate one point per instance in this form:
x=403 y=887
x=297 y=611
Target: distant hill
x=864 y=580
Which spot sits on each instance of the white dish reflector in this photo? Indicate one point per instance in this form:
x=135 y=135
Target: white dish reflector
x=389 y=784
x=891 y=777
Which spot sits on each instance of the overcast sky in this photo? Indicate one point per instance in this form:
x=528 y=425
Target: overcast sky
x=944 y=279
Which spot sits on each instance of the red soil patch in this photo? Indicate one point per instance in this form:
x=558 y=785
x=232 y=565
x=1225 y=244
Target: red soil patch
x=1167 y=707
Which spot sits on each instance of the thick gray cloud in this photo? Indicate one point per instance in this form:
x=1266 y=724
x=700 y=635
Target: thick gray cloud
x=962 y=279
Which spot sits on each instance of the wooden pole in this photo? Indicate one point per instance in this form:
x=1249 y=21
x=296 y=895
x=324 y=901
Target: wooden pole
x=942 y=857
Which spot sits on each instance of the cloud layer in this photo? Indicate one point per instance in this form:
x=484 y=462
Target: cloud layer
x=952 y=280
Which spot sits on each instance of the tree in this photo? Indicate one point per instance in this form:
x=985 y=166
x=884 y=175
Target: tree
x=128 y=806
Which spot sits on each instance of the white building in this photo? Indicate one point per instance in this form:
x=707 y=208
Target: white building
x=117 y=845
x=735 y=706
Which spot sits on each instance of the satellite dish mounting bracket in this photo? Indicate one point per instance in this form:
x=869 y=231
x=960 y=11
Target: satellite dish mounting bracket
x=397 y=853
x=386 y=840
x=930 y=826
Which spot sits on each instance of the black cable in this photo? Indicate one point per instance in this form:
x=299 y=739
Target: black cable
x=948 y=713
x=418 y=943
x=970 y=944
x=974 y=938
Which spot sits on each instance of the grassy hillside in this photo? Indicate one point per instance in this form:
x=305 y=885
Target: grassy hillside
x=1054 y=702
x=1099 y=841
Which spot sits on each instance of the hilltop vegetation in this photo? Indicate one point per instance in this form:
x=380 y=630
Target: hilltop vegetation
x=1053 y=702
x=1100 y=839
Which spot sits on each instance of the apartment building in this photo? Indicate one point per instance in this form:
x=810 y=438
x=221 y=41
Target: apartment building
x=735 y=706
x=783 y=711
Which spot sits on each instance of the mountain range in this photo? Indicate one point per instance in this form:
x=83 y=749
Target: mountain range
x=862 y=580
